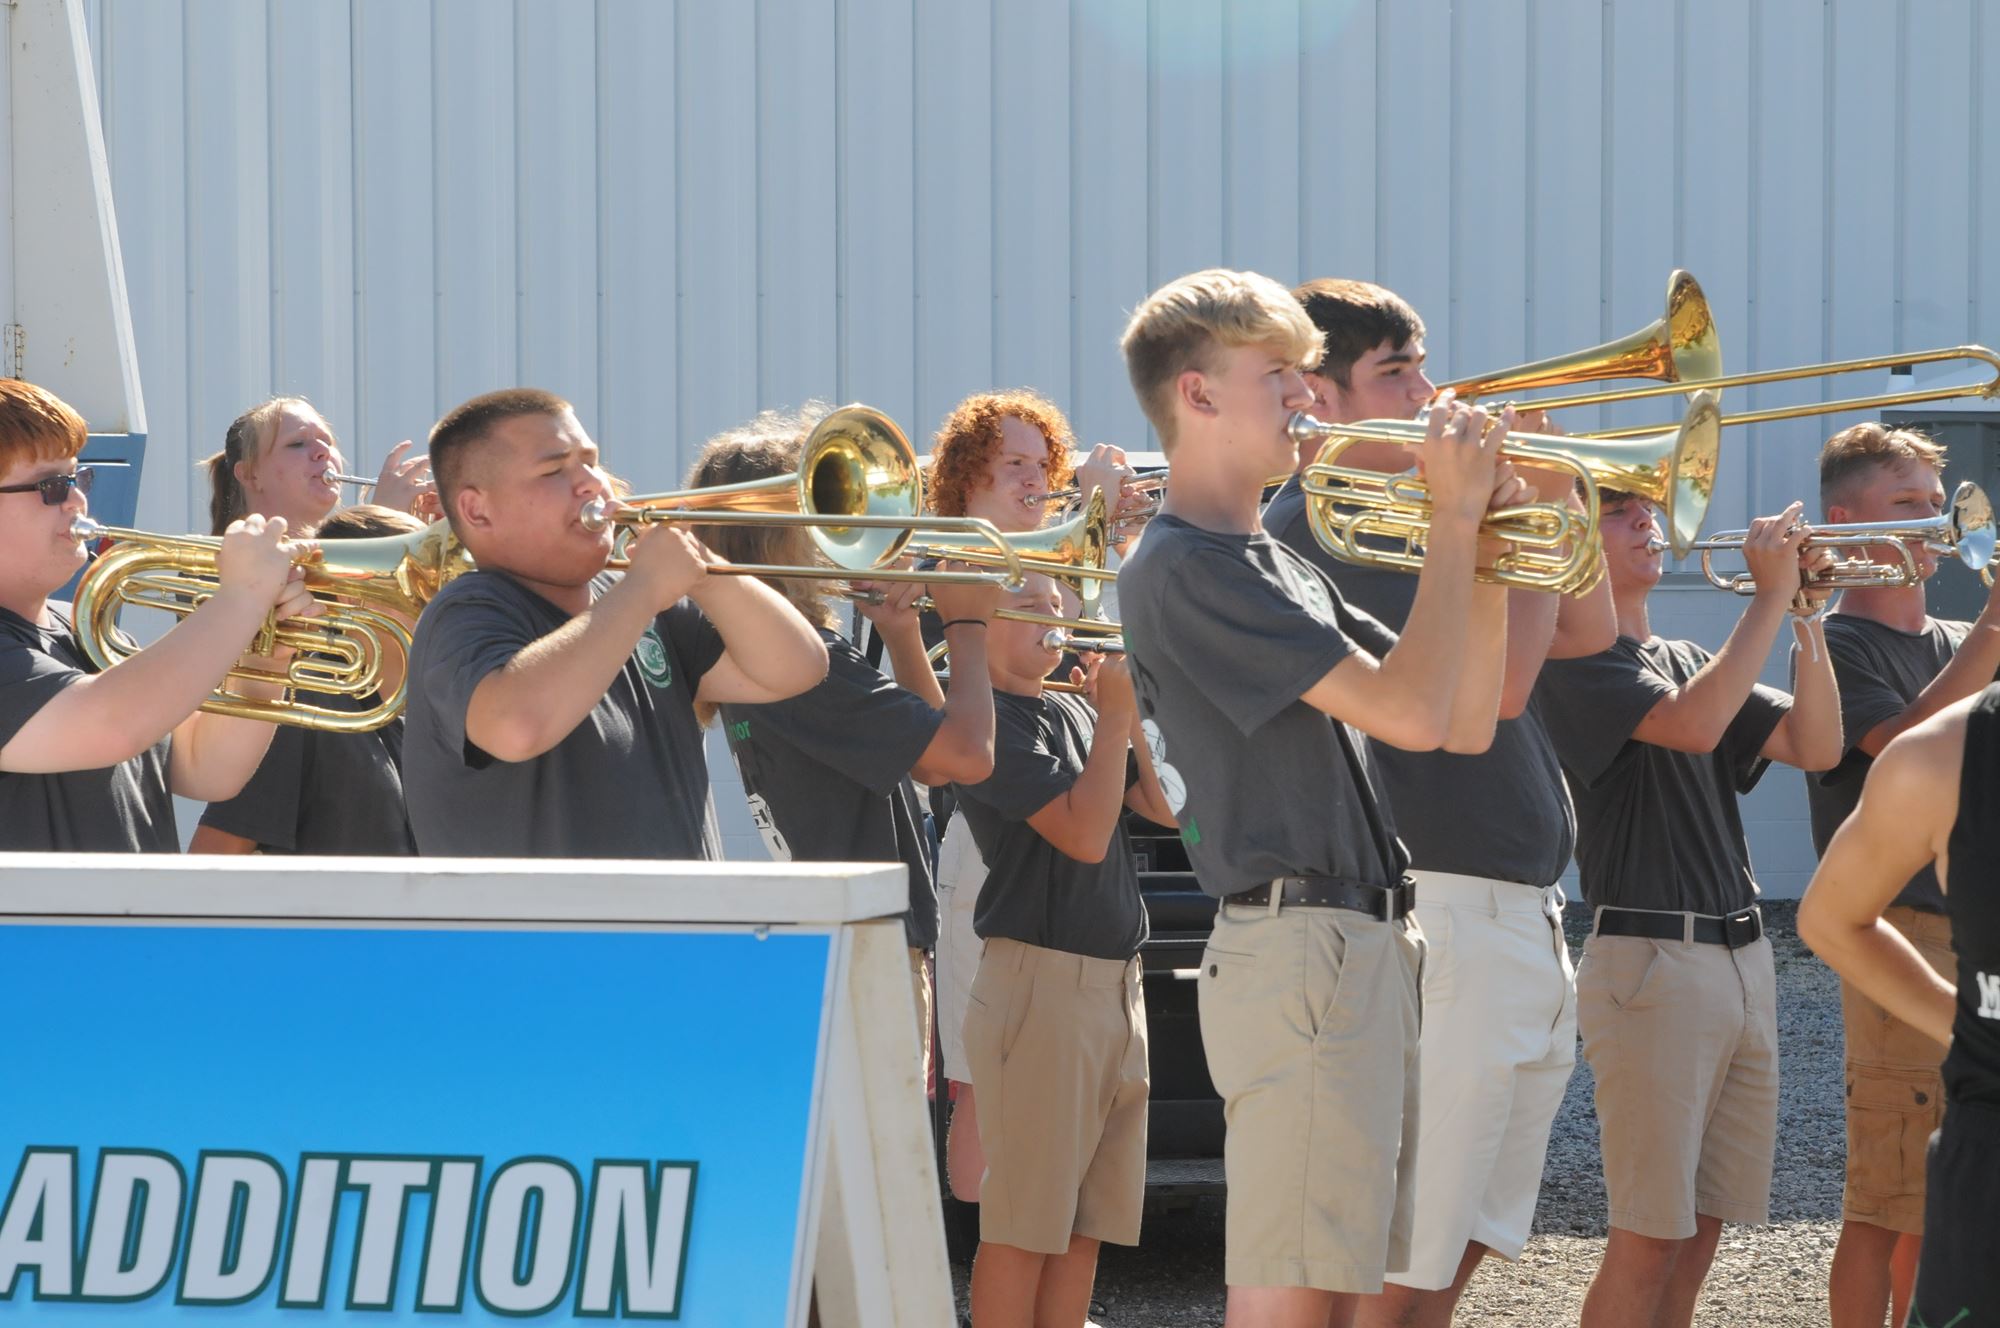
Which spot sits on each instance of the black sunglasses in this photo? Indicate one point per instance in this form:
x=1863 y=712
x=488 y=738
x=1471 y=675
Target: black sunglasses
x=55 y=488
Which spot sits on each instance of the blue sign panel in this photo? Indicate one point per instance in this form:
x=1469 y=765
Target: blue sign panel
x=264 y=1124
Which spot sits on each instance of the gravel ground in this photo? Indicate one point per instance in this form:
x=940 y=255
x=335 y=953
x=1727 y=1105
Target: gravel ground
x=1774 y=1275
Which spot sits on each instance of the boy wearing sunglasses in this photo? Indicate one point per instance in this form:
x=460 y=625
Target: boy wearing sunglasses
x=88 y=759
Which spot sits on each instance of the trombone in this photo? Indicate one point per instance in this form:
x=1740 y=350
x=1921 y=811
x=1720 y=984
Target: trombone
x=1681 y=351
x=1383 y=520
x=1966 y=532
x=1074 y=552
x=1072 y=627
x=363 y=584
x=857 y=489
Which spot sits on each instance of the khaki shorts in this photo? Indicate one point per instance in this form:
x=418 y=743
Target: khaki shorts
x=1057 y=1045
x=1683 y=1040
x=961 y=871
x=1309 y=1019
x=1498 y=1046
x=1895 y=1093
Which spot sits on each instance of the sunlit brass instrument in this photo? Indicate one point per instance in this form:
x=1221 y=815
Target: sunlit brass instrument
x=1383 y=520
x=362 y=585
x=857 y=488
x=1093 y=627
x=1679 y=347
x=1966 y=532
x=1074 y=552
x=1152 y=484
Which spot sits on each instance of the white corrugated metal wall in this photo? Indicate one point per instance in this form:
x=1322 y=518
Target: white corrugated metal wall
x=675 y=214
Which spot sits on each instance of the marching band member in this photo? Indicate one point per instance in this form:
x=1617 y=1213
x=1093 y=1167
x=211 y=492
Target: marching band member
x=317 y=792
x=279 y=458
x=1488 y=836
x=552 y=706
x=1055 y=1032
x=88 y=760
x=995 y=457
x=1240 y=651
x=827 y=772
x=1676 y=994
x=1928 y=805
x=1896 y=666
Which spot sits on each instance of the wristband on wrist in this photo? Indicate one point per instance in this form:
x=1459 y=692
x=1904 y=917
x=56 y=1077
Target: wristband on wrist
x=965 y=622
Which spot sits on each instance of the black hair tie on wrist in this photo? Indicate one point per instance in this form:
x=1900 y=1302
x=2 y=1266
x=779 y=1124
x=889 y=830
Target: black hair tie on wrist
x=963 y=622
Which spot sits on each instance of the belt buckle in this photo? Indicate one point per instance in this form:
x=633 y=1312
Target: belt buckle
x=1740 y=929
x=1397 y=900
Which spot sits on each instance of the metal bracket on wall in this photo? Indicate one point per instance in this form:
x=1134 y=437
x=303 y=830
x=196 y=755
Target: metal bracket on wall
x=14 y=337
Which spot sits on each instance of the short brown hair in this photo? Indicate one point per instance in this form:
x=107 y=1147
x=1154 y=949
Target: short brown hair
x=1178 y=327
x=248 y=437
x=470 y=423
x=37 y=425
x=766 y=446
x=1862 y=448
x=367 y=521
x=1355 y=317
x=969 y=439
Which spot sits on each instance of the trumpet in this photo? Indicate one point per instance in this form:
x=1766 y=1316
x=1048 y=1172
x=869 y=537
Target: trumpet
x=857 y=489
x=1966 y=532
x=1383 y=520
x=364 y=585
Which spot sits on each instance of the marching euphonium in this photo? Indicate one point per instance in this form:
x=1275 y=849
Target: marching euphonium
x=362 y=584
x=1382 y=520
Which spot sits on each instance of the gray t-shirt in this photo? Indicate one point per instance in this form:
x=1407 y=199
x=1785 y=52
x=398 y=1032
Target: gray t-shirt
x=1034 y=892
x=827 y=774
x=629 y=781
x=1225 y=633
x=334 y=793
x=123 y=809
x=1656 y=828
x=1505 y=813
x=1880 y=671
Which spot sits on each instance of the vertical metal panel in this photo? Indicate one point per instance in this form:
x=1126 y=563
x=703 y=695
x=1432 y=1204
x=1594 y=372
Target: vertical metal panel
x=1338 y=99
x=1108 y=207
x=312 y=216
x=1566 y=203
x=1489 y=239
x=797 y=356
x=1641 y=183
x=1415 y=188
x=1937 y=203
x=1185 y=106
x=1983 y=263
x=877 y=202
x=1261 y=138
x=142 y=83
x=1031 y=147
x=395 y=224
x=958 y=209
x=1865 y=180
x=477 y=347
x=555 y=191
x=229 y=215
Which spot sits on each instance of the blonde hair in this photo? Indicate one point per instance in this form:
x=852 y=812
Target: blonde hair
x=765 y=446
x=248 y=438
x=1180 y=326
x=1866 y=447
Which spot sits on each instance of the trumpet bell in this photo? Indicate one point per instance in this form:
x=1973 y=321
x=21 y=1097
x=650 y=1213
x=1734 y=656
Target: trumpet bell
x=1973 y=526
x=1680 y=346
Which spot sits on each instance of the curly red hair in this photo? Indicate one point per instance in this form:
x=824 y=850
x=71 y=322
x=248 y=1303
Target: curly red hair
x=969 y=439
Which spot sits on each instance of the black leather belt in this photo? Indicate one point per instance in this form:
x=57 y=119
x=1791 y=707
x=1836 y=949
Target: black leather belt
x=1735 y=931
x=1386 y=904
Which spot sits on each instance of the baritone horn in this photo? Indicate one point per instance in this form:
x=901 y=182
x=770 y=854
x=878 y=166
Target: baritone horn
x=1966 y=532
x=857 y=489
x=367 y=587
x=1383 y=520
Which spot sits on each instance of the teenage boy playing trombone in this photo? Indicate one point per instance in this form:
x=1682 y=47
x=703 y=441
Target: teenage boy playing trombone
x=552 y=705
x=1241 y=652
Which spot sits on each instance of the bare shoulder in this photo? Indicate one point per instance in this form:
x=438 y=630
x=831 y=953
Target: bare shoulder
x=1924 y=761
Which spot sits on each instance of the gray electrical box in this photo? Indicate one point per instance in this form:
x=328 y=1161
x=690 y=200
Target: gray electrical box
x=1971 y=438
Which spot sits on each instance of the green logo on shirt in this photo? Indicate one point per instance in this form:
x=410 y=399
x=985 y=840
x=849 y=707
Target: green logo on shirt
x=653 y=661
x=740 y=731
x=1190 y=833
